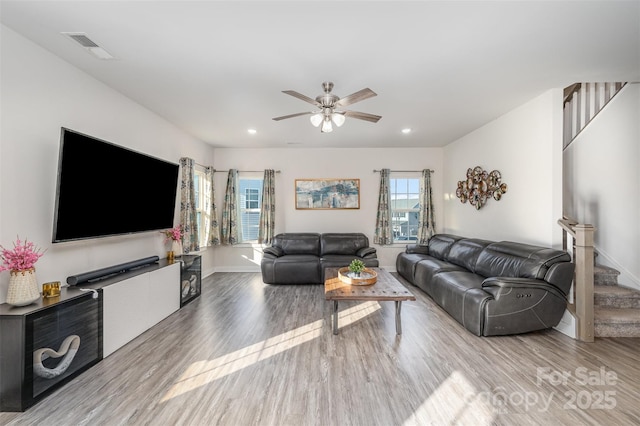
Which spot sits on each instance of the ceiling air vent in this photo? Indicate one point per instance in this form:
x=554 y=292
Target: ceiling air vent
x=83 y=40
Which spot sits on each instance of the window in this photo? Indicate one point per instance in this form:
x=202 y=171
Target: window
x=199 y=185
x=252 y=198
x=250 y=194
x=405 y=208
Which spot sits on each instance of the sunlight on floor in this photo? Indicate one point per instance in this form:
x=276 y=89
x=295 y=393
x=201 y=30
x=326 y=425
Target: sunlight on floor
x=455 y=401
x=352 y=315
x=204 y=372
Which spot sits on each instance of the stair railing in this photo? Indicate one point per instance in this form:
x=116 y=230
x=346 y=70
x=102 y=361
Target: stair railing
x=582 y=253
x=581 y=103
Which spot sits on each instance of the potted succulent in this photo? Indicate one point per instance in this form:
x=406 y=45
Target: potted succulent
x=356 y=267
x=20 y=262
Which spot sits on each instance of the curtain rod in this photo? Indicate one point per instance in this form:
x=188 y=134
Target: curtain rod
x=243 y=171
x=239 y=171
x=403 y=171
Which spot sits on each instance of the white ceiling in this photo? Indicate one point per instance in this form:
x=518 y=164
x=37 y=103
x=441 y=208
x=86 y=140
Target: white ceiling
x=442 y=68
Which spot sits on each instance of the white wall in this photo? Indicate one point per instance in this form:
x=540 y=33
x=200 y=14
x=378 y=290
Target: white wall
x=300 y=163
x=525 y=145
x=39 y=94
x=602 y=183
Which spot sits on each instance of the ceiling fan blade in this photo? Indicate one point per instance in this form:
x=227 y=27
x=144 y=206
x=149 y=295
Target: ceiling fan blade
x=301 y=96
x=363 y=116
x=360 y=95
x=293 y=115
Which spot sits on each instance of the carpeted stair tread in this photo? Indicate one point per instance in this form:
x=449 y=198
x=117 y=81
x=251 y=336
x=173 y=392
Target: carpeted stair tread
x=617 y=322
x=616 y=296
x=604 y=275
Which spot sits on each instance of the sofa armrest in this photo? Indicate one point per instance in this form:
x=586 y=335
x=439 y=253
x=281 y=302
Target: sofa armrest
x=417 y=248
x=273 y=250
x=366 y=252
x=497 y=286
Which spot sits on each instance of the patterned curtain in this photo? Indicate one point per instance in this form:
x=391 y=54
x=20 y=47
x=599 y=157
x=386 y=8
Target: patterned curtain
x=229 y=231
x=188 y=218
x=426 y=221
x=383 y=234
x=211 y=224
x=268 y=208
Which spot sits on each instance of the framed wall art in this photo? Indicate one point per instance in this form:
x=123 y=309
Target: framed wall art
x=316 y=194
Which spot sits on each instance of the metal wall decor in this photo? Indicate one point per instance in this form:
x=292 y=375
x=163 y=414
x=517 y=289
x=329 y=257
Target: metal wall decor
x=480 y=186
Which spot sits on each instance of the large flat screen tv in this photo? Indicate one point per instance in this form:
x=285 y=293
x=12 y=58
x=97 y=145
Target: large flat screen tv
x=104 y=189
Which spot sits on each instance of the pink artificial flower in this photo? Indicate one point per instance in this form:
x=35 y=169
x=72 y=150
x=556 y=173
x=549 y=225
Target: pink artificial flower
x=23 y=256
x=174 y=234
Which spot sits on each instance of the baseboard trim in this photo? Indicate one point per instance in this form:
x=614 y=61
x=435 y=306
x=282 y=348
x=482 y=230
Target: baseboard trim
x=567 y=325
x=235 y=269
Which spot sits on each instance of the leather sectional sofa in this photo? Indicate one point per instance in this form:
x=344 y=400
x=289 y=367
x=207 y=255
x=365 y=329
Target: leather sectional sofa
x=491 y=288
x=300 y=258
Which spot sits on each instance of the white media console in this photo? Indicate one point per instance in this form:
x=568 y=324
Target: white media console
x=134 y=305
x=102 y=316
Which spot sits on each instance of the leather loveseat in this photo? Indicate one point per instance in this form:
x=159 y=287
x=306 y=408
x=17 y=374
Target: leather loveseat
x=300 y=258
x=491 y=288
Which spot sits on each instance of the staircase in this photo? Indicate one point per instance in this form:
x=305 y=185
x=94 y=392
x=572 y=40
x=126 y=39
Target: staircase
x=582 y=101
x=616 y=308
x=600 y=306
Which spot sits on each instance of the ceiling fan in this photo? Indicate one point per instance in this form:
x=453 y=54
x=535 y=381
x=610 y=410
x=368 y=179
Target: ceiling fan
x=330 y=107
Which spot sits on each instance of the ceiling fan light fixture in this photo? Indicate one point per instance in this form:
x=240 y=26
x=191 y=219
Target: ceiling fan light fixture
x=331 y=108
x=316 y=119
x=338 y=119
x=326 y=126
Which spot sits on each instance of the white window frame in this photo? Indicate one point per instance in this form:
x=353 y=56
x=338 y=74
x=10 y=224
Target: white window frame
x=199 y=178
x=242 y=206
x=403 y=212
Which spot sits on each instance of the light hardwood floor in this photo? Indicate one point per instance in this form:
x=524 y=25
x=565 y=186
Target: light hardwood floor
x=246 y=353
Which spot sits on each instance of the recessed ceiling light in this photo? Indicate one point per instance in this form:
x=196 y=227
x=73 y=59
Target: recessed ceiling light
x=406 y=131
x=252 y=131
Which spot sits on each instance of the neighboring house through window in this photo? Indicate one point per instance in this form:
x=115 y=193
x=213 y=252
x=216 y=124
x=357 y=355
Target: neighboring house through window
x=405 y=208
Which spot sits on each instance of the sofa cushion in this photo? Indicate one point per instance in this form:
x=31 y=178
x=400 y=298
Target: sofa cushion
x=440 y=244
x=298 y=243
x=406 y=264
x=511 y=259
x=342 y=243
x=465 y=252
x=428 y=267
x=297 y=269
x=449 y=290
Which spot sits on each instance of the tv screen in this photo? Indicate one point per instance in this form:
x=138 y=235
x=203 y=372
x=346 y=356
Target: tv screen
x=104 y=189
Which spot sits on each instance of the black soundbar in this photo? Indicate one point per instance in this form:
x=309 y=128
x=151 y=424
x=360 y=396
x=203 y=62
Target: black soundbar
x=111 y=270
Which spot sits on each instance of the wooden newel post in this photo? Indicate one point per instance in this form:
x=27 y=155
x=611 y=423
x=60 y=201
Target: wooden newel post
x=584 y=261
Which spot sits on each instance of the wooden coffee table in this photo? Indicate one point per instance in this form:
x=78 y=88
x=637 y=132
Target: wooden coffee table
x=386 y=288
